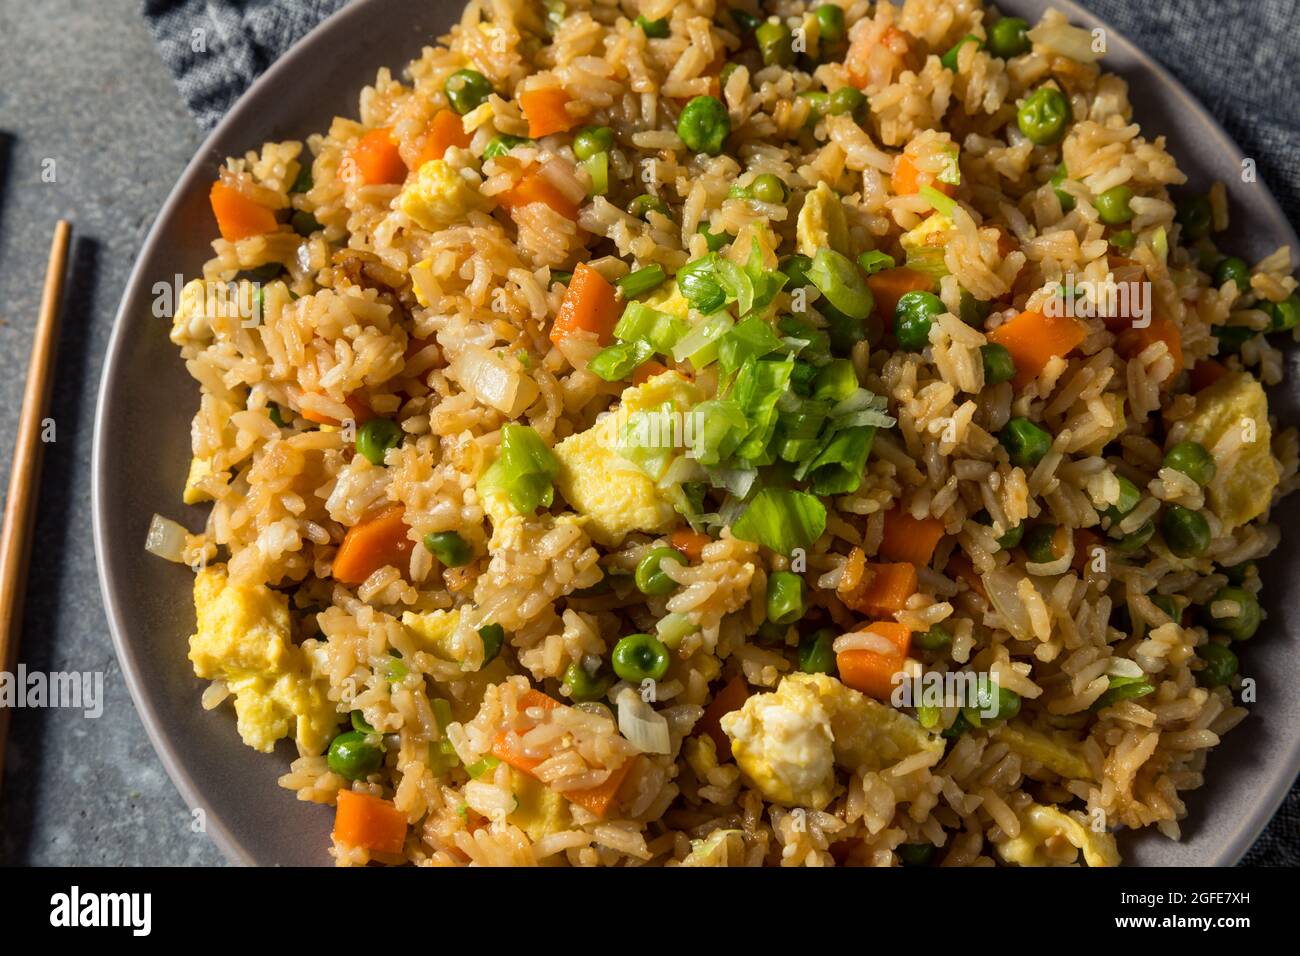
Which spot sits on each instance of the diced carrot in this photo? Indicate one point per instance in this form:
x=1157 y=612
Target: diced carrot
x=361 y=820
x=882 y=589
x=910 y=539
x=1085 y=544
x=445 y=131
x=647 y=370
x=361 y=413
x=732 y=697
x=1133 y=341
x=871 y=671
x=534 y=187
x=589 y=305
x=379 y=540
x=690 y=543
x=960 y=567
x=376 y=158
x=1033 y=339
x=545 y=112
x=1206 y=372
x=907 y=179
x=238 y=217
x=891 y=285
x=597 y=799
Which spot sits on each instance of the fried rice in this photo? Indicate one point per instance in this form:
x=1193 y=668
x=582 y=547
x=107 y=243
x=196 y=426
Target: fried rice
x=435 y=563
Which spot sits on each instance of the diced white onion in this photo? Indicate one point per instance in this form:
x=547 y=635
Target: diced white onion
x=493 y=381
x=864 y=641
x=1123 y=667
x=1003 y=590
x=166 y=539
x=645 y=729
x=1060 y=37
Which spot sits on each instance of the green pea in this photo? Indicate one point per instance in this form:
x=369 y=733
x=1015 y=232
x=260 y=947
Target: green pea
x=353 y=756
x=949 y=59
x=591 y=140
x=704 y=125
x=768 y=187
x=263 y=274
x=795 y=269
x=819 y=104
x=1168 y=606
x=1043 y=116
x=1123 y=239
x=493 y=637
x=560 y=276
x=449 y=548
x=959 y=726
x=1129 y=496
x=640 y=656
x=830 y=22
x=935 y=639
x=1008 y=37
x=584 y=685
x=1286 y=314
x=746 y=22
x=1238 y=573
x=773 y=39
x=1242 y=625
x=999 y=366
x=816 y=652
x=971 y=310
x=1113 y=205
x=1185 y=531
x=650 y=577
x=503 y=143
x=1195 y=216
x=375 y=437
x=304 y=223
x=1233 y=269
x=915 y=854
x=1008 y=704
x=1220 y=665
x=770 y=634
x=1012 y=538
x=1044 y=543
x=643 y=205
x=913 y=317
x=467 y=90
x=1066 y=200
x=1025 y=442
x=1232 y=337
x=1136 y=540
x=1192 y=460
x=784 y=597
x=655 y=29
x=846 y=100
x=277 y=415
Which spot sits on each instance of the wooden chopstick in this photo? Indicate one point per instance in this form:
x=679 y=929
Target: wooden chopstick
x=20 y=506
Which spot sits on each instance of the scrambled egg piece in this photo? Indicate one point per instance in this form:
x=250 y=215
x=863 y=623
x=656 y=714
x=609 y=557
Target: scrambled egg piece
x=668 y=298
x=788 y=742
x=1237 y=403
x=200 y=468
x=436 y=631
x=539 y=811
x=615 y=494
x=438 y=196
x=1044 y=833
x=822 y=223
x=719 y=848
x=925 y=245
x=1056 y=752
x=243 y=638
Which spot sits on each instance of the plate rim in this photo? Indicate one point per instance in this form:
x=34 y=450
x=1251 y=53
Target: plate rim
x=1248 y=828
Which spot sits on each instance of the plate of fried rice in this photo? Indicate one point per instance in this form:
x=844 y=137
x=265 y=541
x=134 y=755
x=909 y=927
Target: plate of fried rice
x=710 y=434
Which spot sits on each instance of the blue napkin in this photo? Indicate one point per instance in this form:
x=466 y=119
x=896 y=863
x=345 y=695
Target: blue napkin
x=1241 y=58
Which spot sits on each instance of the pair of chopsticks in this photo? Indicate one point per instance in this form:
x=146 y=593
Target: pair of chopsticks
x=20 y=506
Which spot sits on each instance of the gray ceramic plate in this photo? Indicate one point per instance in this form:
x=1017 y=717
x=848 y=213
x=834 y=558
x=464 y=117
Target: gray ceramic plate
x=147 y=400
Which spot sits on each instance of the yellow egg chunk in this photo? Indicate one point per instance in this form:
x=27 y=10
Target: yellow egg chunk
x=1231 y=422
x=243 y=638
x=438 y=196
x=1046 y=833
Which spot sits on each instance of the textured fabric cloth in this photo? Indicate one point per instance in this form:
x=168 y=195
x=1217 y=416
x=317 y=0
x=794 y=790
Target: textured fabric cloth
x=1240 y=58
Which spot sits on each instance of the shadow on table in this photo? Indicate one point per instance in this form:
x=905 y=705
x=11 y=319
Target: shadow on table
x=29 y=729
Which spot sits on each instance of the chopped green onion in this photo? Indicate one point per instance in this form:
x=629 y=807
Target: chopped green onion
x=838 y=279
x=640 y=323
x=699 y=346
x=839 y=466
x=642 y=281
x=524 y=468
x=782 y=520
x=752 y=338
x=597 y=168
x=482 y=766
x=722 y=427
x=941 y=203
x=616 y=362
x=873 y=261
x=835 y=381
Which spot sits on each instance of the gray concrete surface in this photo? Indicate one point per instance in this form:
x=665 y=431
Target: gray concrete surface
x=82 y=88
